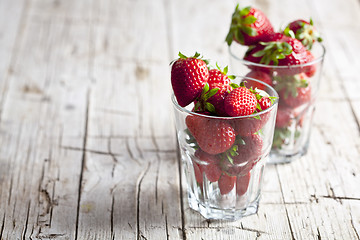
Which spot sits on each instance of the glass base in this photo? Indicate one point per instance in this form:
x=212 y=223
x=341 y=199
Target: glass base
x=230 y=214
x=278 y=157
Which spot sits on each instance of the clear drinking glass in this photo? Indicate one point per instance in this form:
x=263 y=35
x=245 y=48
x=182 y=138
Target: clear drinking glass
x=225 y=185
x=298 y=87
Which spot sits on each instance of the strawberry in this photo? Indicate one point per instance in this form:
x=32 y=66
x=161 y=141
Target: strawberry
x=265 y=103
x=213 y=95
x=240 y=102
x=250 y=151
x=212 y=135
x=259 y=75
x=188 y=77
x=304 y=31
x=283 y=51
x=294 y=90
x=226 y=183
x=302 y=96
x=251 y=125
x=242 y=183
x=210 y=168
x=283 y=117
x=248 y=26
x=242 y=156
x=198 y=173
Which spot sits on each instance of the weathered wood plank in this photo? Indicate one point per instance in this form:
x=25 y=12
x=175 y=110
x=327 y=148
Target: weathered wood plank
x=87 y=143
x=48 y=86
x=131 y=181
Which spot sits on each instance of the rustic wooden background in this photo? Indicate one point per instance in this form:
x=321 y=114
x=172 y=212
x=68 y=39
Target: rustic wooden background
x=87 y=141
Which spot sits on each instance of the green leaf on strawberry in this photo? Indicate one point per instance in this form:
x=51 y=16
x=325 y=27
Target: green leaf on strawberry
x=273 y=51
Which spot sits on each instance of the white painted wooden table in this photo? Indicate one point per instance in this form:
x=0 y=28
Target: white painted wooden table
x=87 y=141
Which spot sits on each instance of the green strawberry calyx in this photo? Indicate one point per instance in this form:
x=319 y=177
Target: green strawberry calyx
x=225 y=71
x=196 y=56
x=273 y=51
x=290 y=84
x=233 y=151
x=307 y=33
x=240 y=24
x=202 y=104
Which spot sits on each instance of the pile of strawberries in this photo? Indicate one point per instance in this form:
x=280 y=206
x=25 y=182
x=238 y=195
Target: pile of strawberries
x=226 y=148
x=291 y=50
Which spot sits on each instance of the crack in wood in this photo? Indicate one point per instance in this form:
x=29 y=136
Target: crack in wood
x=26 y=221
x=352 y=225
x=318 y=233
x=2 y=226
x=50 y=236
x=183 y=231
x=167 y=228
x=337 y=198
x=83 y=159
x=286 y=210
x=132 y=157
x=89 y=151
x=139 y=234
x=112 y=217
x=219 y=228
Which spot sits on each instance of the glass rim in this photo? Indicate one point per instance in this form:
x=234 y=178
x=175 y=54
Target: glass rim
x=316 y=60
x=183 y=109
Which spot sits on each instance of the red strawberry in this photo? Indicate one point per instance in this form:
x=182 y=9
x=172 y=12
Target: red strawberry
x=310 y=69
x=212 y=135
x=243 y=157
x=210 y=167
x=301 y=96
x=250 y=151
x=284 y=51
x=212 y=98
x=240 y=102
x=304 y=31
x=248 y=26
x=283 y=117
x=251 y=125
x=188 y=77
x=226 y=183
x=259 y=75
x=242 y=184
x=198 y=173
x=264 y=103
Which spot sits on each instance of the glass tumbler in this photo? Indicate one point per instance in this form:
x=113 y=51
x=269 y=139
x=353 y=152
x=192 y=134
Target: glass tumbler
x=225 y=185
x=298 y=87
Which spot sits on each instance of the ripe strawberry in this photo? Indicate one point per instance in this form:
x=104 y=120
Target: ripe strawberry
x=213 y=95
x=210 y=167
x=250 y=151
x=259 y=75
x=248 y=26
x=294 y=90
x=310 y=69
x=226 y=183
x=302 y=96
x=242 y=183
x=240 y=102
x=251 y=125
x=304 y=31
x=264 y=103
x=188 y=77
x=283 y=51
x=283 y=117
x=212 y=135
x=198 y=173
x=242 y=156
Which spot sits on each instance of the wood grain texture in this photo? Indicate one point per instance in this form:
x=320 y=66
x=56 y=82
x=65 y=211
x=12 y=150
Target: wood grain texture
x=87 y=140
